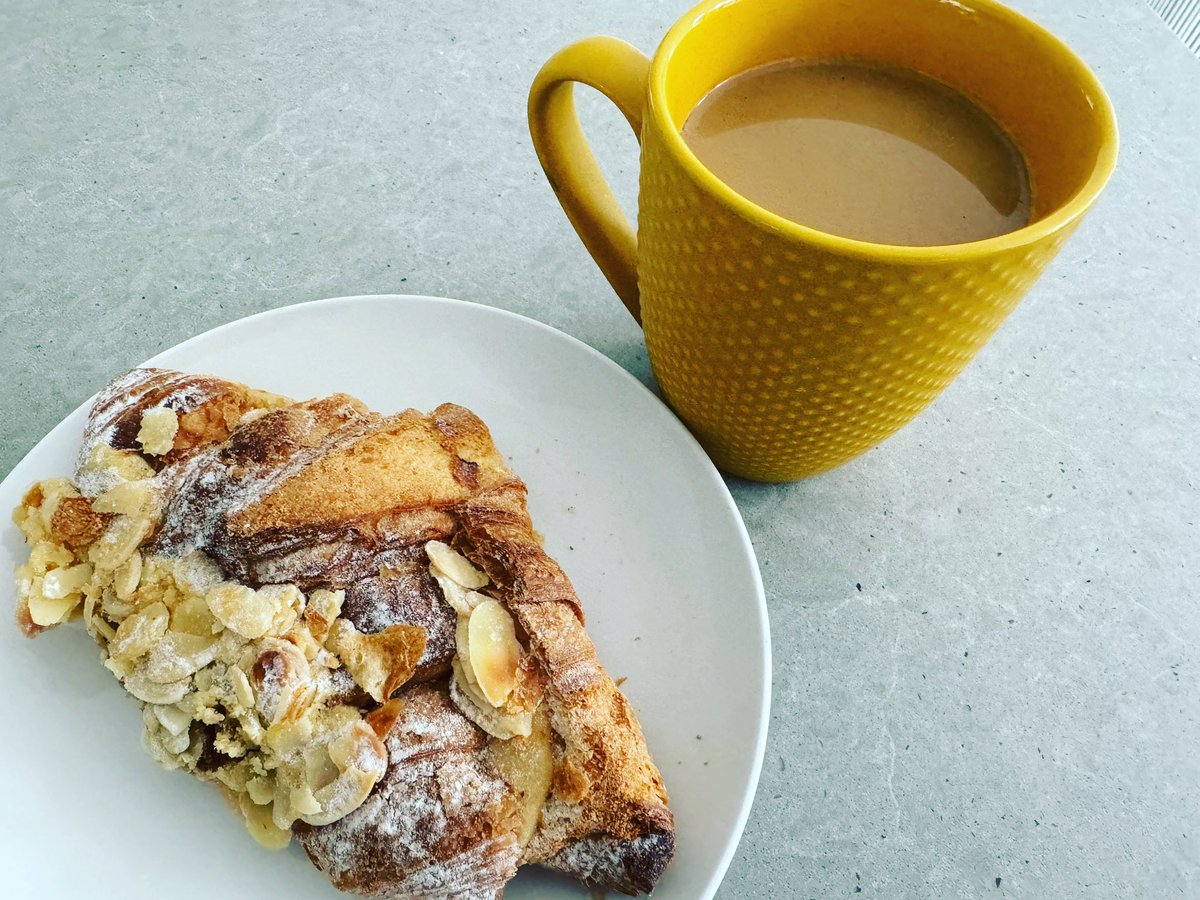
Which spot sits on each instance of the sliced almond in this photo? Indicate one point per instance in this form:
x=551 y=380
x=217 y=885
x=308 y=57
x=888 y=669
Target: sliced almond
x=116 y=610
x=177 y=744
x=192 y=616
x=46 y=611
x=128 y=498
x=261 y=790
x=102 y=629
x=120 y=539
x=361 y=760
x=453 y=592
x=128 y=576
x=499 y=724
x=179 y=655
x=153 y=692
x=462 y=600
x=158 y=429
x=462 y=649
x=454 y=565
x=342 y=797
x=138 y=633
x=286 y=738
x=242 y=609
x=196 y=573
x=242 y=690
x=47 y=555
x=172 y=718
x=495 y=652
x=302 y=801
x=62 y=583
x=319 y=769
x=261 y=825
x=121 y=670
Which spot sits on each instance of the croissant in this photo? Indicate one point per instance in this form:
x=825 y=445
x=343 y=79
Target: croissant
x=347 y=622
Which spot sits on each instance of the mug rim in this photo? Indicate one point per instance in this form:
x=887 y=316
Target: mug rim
x=1063 y=215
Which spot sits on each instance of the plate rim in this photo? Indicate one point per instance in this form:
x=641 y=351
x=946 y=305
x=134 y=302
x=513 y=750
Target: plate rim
x=711 y=472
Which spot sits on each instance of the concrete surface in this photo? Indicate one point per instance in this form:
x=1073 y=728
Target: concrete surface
x=985 y=630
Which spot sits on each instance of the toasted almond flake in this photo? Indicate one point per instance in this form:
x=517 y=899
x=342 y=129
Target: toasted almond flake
x=119 y=541
x=139 y=632
x=462 y=649
x=303 y=801
x=154 y=692
x=454 y=565
x=261 y=825
x=172 y=718
x=128 y=576
x=242 y=609
x=177 y=655
x=494 y=651
x=158 y=429
x=46 y=611
x=261 y=790
x=128 y=498
x=59 y=584
x=241 y=687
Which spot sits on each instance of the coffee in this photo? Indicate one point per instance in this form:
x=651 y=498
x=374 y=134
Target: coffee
x=862 y=151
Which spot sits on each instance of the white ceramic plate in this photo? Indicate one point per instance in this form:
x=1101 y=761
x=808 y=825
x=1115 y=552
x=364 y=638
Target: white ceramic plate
x=630 y=506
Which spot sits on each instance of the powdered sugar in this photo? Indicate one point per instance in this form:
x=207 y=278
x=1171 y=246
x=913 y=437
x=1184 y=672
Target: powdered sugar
x=633 y=865
x=424 y=831
x=109 y=422
x=218 y=482
x=463 y=787
x=439 y=822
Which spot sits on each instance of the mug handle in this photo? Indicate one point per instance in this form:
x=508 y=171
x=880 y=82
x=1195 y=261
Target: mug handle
x=619 y=71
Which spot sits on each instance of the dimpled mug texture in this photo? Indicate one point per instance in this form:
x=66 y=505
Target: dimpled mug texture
x=786 y=360
x=788 y=351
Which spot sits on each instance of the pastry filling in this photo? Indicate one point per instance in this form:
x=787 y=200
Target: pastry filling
x=265 y=691
x=496 y=683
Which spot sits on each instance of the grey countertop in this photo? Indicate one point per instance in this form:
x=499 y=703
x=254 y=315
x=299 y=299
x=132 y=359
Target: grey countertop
x=985 y=630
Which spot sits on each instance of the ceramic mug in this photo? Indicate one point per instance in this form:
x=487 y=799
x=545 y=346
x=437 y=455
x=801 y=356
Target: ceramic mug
x=787 y=350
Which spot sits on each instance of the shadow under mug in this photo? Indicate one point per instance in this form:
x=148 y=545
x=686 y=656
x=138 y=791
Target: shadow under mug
x=786 y=350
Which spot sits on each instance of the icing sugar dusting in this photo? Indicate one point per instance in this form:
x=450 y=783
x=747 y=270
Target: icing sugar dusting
x=208 y=488
x=601 y=860
x=426 y=829
x=177 y=390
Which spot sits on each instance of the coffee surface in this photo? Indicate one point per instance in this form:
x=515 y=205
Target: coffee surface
x=862 y=151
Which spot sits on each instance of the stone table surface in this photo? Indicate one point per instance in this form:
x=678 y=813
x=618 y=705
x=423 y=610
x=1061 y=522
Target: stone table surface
x=985 y=630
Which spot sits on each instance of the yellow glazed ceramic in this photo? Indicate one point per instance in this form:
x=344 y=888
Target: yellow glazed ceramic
x=787 y=350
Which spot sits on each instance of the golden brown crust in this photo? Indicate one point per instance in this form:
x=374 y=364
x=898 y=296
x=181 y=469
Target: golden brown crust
x=328 y=494
x=439 y=824
x=208 y=410
x=607 y=797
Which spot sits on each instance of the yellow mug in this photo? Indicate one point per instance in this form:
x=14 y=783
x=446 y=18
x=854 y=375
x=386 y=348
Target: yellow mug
x=787 y=350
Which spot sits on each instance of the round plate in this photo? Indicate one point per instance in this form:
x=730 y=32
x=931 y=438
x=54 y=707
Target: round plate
x=629 y=504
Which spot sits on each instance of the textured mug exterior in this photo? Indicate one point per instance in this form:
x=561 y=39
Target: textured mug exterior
x=786 y=350
x=786 y=358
